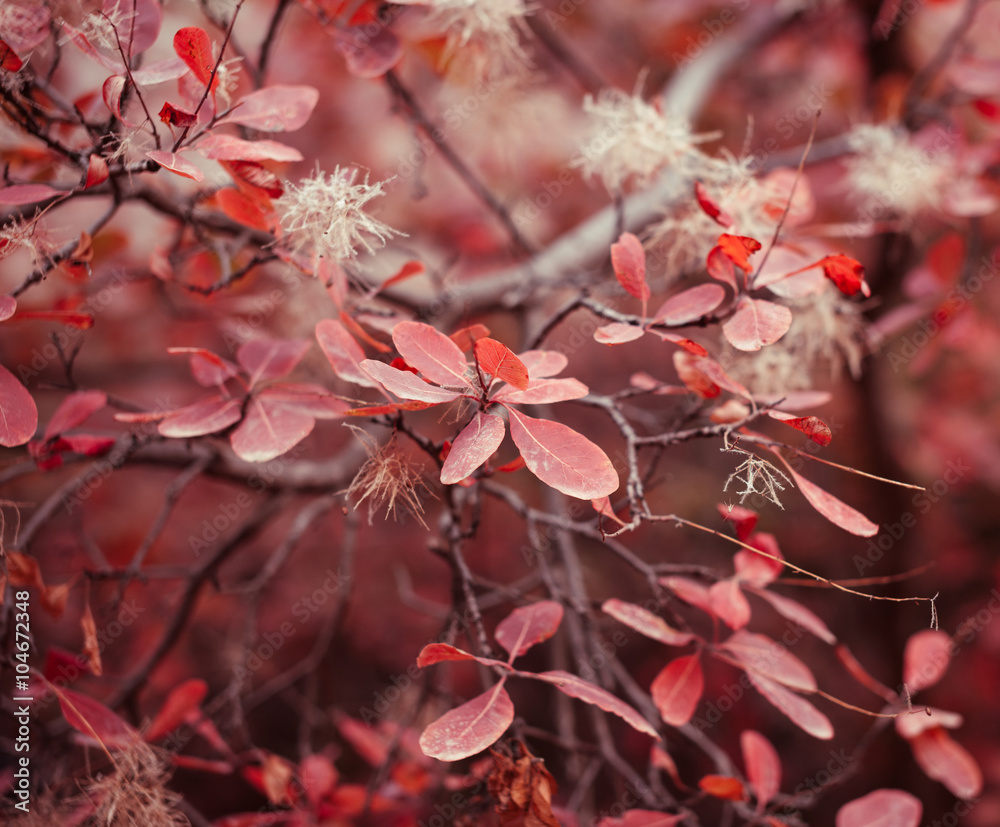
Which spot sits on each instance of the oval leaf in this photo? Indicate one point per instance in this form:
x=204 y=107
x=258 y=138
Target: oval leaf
x=723 y=786
x=18 y=414
x=629 y=262
x=729 y=603
x=275 y=108
x=94 y=719
x=544 y=363
x=406 y=385
x=194 y=47
x=499 y=360
x=562 y=458
x=812 y=426
x=173 y=162
x=837 y=512
x=204 y=417
x=760 y=654
x=265 y=359
x=799 y=711
x=528 y=625
x=230 y=148
x=183 y=701
x=470 y=728
x=344 y=352
x=477 y=442
x=797 y=613
x=677 y=689
x=441 y=652
x=544 y=392
x=8 y=307
x=618 y=333
x=756 y=323
x=881 y=808
x=269 y=428
x=75 y=410
x=577 y=687
x=926 y=659
x=645 y=622
x=945 y=760
x=27 y=193
x=763 y=766
x=428 y=350
x=690 y=305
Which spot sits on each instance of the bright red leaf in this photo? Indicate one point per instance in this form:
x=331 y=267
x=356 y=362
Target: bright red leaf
x=711 y=207
x=172 y=116
x=528 y=625
x=812 y=426
x=738 y=249
x=724 y=787
x=344 y=353
x=18 y=414
x=677 y=689
x=498 y=360
x=94 y=719
x=194 y=47
x=9 y=61
x=629 y=262
x=763 y=766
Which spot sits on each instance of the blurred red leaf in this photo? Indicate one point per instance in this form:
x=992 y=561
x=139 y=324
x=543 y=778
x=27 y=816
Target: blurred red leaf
x=274 y=108
x=629 y=262
x=756 y=324
x=18 y=414
x=710 y=207
x=721 y=268
x=97 y=171
x=798 y=710
x=645 y=622
x=797 y=613
x=91 y=646
x=846 y=273
x=690 y=591
x=343 y=352
x=465 y=338
x=690 y=305
x=743 y=519
x=231 y=148
x=724 y=787
x=265 y=359
x=642 y=818
x=243 y=209
x=543 y=392
x=763 y=766
x=74 y=410
x=476 y=443
x=18 y=194
x=440 y=652
x=180 y=704
x=757 y=569
x=729 y=603
x=926 y=659
x=470 y=728
x=881 y=808
x=618 y=333
x=207 y=416
x=9 y=61
x=255 y=177
x=369 y=56
x=172 y=116
x=694 y=379
x=499 y=360
x=94 y=719
x=527 y=626
x=758 y=653
x=945 y=760
x=8 y=306
x=738 y=249
x=677 y=689
x=173 y=162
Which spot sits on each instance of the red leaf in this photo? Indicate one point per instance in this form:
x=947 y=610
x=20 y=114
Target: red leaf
x=498 y=360
x=172 y=116
x=562 y=458
x=74 y=410
x=275 y=108
x=690 y=591
x=470 y=728
x=344 y=353
x=756 y=323
x=577 y=687
x=265 y=359
x=926 y=659
x=208 y=369
x=434 y=653
x=724 y=787
x=544 y=363
x=945 y=760
x=812 y=426
x=846 y=273
x=465 y=338
x=8 y=306
x=689 y=345
x=183 y=701
x=173 y=162
x=206 y=416
x=755 y=568
x=694 y=379
x=543 y=392
x=677 y=689
x=84 y=321
x=645 y=622
x=436 y=356
x=405 y=384
x=415 y=268
x=797 y=613
x=720 y=267
x=94 y=719
x=9 y=61
x=915 y=722
x=230 y=148
x=716 y=374
x=642 y=818
x=18 y=414
x=881 y=808
x=18 y=194
x=477 y=442
x=528 y=625
x=97 y=171
x=618 y=333
x=743 y=519
x=602 y=505
x=763 y=766
x=314 y=400
x=86 y=445
x=629 y=262
x=710 y=207
x=270 y=428
x=367 y=56
x=738 y=249
x=729 y=604
x=690 y=305
x=837 y=512
x=259 y=179
x=194 y=47
x=141 y=24
x=802 y=713
x=243 y=209
x=760 y=654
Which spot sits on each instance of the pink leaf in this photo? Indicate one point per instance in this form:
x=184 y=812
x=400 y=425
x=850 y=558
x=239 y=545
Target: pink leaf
x=577 y=687
x=314 y=400
x=434 y=653
x=265 y=359
x=812 y=426
x=230 y=148
x=543 y=363
x=275 y=108
x=436 y=356
x=194 y=47
x=758 y=653
x=141 y=21
x=711 y=207
x=743 y=519
x=8 y=306
x=763 y=766
x=802 y=713
x=677 y=689
x=717 y=374
x=470 y=728
x=756 y=323
x=173 y=162
x=160 y=71
x=926 y=659
x=528 y=625
x=629 y=262
x=112 y=91
x=206 y=416
x=645 y=622
x=477 y=442
x=756 y=568
x=689 y=345
x=690 y=305
x=367 y=56
x=97 y=171
x=562 y=458
x=18 y=194
x=797 y=613
x=720 y=267
x=602 y=505
x=344 y=353
x=945 y=760
x=18 y=414
x=209 y=369
x=729 y=603
x=618 y=333
x=915 y=722
x=544 y=392
x=269 y=428
x=183 y=701
x=75 y=409
x=837 y=512
x=881 y=808
x=738 y=249
x=690 y=591
x=94 y=719
x=498 y=360
x=405 y=384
